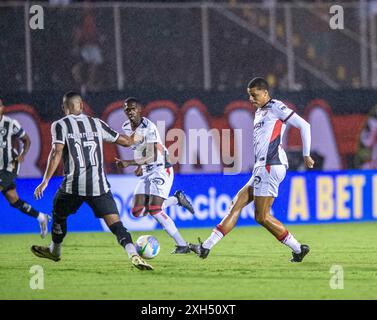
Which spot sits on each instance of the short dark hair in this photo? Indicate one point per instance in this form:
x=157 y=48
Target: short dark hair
x=2 y=99
x=71 y=94
x=131 y=100
x=258 y=83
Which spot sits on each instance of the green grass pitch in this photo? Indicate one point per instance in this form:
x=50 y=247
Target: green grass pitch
x=247 y=264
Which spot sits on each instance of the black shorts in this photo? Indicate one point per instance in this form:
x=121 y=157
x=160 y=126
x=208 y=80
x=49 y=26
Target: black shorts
x=7 y=181
x=66 y=204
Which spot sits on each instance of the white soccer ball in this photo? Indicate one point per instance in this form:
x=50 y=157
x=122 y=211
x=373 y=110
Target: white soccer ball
x=147 y=246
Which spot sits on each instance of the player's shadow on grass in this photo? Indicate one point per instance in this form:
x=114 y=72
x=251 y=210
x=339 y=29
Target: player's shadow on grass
x=89 y=246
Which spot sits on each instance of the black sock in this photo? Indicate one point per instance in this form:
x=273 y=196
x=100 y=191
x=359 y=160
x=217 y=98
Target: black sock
x=59 y=228
x=123 y=236
x=25 y=208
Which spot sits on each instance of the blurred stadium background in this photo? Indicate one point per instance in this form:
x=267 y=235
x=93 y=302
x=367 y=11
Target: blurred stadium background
x=189 y=62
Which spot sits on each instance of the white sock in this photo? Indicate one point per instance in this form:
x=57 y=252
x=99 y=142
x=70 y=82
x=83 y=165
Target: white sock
x=214 y=238
x=179 y=239
x=171 y=201
x=168 y=224
x=41 y=217
x=131 y=250
x=56 y=248
x=291 y=242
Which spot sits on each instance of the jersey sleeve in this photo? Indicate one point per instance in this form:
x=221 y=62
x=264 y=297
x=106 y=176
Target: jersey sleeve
x=304 y=128
x=17 y=130
x=108 y=134
x=58 y=133
x=282 y=111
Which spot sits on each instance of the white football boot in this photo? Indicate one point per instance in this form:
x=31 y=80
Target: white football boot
x=43 y=220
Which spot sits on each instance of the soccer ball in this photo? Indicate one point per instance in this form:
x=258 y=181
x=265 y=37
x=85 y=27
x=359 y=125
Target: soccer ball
x=147 y=246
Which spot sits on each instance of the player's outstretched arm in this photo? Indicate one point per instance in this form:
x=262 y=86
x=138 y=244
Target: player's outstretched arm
x=52 y=164
x=25 y=148
x=112 y=136
x=150 y=156
x=126 y=141
x=304 y=128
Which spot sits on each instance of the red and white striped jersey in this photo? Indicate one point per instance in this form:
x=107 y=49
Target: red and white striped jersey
x=269 y=127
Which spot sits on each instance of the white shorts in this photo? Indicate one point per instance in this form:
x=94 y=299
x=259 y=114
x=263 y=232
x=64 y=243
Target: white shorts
x=266 y=180
x=157 y=183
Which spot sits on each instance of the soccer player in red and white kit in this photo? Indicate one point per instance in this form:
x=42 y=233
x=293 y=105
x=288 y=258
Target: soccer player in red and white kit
x=269 y=171
x=152 y=191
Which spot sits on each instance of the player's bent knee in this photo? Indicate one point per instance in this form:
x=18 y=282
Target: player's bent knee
x=138 y=211
x=11 y=199
x=56 y=217
x=260 y=218
x=15 y=204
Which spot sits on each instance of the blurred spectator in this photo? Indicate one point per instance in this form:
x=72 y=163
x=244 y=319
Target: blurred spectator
x=323 y=35
x=366 y=156
x=88 y=52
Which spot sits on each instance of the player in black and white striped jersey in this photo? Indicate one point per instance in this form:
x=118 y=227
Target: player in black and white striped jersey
x=10 y=160
x=78 y=140
x=84 y=163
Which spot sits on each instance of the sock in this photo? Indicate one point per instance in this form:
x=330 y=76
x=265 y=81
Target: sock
x=213 y=239
x=168 y=224
x=171 y=201
x=59 y=228
x=25 y=208
x=123 y=236
x=179 y=239
x=131 y=250
x=290 y=241
x=56 y=248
